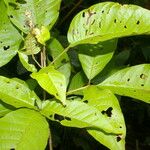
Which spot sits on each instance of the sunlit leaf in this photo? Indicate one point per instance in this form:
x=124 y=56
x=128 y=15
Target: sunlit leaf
x=17 y=94
x=132 y=81
x=25 y=62
x=8 y=44
x=106 y=21
x=23 y=129
x=52 y=81
x=78 y=114
x=30 y=13
x=108 y=105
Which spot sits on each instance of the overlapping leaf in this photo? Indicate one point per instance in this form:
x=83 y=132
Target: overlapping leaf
x=52 y=81
x=8 y=44
x=23 y=129
x=108 y=105
x=106 y=21
x=132 y=81
x=78 y=114
x=27 y=14
x=17 y=94
x=25 y=62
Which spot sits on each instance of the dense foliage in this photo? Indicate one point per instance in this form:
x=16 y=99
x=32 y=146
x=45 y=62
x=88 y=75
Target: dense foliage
x=70 y=85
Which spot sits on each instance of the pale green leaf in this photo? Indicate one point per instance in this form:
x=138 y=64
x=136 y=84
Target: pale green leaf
x=78 y=114
x=17 y=94
x=8 y=44
x=25 y=62
x=106 y=21
x=108 y=105
x=23 y=129
x=30 y=13
x=52 y=81
x=132 y=81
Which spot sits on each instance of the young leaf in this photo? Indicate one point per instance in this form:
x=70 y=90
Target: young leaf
x=78 y=114
x=107 y=104
x=24 y=60
x=106 y=21
x=52 y=81
x=8 y=44
x=23 y=129
x=133 y=81
x=17 y=94
x=30 y=13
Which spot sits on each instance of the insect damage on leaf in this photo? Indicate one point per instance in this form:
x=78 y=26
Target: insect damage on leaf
x=108 y=112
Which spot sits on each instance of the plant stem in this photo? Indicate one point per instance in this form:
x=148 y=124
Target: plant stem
x=36 y=61
x=65 y=50
x=82 y=88
x=70 y=12
x=50 y=140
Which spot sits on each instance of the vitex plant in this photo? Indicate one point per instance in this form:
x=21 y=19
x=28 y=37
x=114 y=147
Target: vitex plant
x=82 y=100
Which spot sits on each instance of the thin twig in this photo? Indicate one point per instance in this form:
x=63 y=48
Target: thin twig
x=50 y=140
x=65 y=50
x=70 y=12
x=36 y=61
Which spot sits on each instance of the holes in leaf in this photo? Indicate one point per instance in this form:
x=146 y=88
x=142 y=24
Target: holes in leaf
x=12 y=149
x=17 y=87
x=120 y=127
x=115 y=20
x=1 y=42
x=99 y=24
x=8 y=82
x=128 y=79
x=51 y=116
x=142 y=84
x=21 y=1
x=58 y=117
x=108 y=112
x=57 y=94
x=85 y=101
x=83 y=14
x=143 y=76
x=118 y=138
x=67 y=118
x=138 y=22
x=125 y=27
x=103 y=11
x=11 y=16
x=6 y=47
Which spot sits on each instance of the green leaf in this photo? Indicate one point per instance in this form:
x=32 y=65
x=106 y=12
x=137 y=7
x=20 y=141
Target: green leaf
x=93 y=64
x=30 y=13
x=132 y=81
x=17 y=94
x=55 y=48
x=25 y=62
x=52 y=81
x=108 y=105
x=106 y=21
x=78 y=114
x=23 y=129
x=5 y=108
x=8 y=44
x=78 y=81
